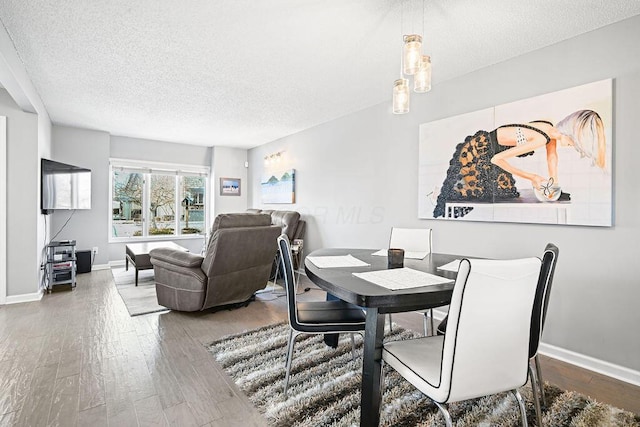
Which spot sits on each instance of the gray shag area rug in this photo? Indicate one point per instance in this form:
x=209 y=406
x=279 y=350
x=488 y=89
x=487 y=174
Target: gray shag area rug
x=324 y=389
x=139 y=299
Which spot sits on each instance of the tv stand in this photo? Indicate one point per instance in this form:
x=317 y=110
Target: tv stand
x=60 y=268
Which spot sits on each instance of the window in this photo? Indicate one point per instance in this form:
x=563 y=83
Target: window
x=192 y=212
x=126 y=204
x=157 y=200
x=162 y=202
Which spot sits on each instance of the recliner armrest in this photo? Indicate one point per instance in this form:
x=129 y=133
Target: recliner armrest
x=177 y=258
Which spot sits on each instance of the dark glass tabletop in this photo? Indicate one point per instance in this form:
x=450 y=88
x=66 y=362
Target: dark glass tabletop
x=343 y=284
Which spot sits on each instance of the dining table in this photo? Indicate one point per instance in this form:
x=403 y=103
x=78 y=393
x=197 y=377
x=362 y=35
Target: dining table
x=377 y=301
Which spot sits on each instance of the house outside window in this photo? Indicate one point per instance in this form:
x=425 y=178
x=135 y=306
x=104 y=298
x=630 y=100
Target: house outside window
x=126 y=205
x=192 y=213
x=157 y=200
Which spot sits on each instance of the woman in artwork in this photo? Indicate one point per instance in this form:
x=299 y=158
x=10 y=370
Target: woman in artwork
x=480 y=168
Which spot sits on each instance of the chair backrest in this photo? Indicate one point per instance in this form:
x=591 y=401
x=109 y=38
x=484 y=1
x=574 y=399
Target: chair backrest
x=239 y=257
x=411 y=239
x=290 y=221
x=545 y=280
x=235 y=220
x=289 y=278
x=487 y=340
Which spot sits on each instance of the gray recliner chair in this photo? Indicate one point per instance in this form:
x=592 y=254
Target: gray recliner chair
x=293 y=226
x=237 y=263
x=291 y=222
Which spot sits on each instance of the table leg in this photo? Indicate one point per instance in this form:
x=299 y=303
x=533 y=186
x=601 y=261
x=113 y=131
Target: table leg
x=372 y=369
x=331 y=339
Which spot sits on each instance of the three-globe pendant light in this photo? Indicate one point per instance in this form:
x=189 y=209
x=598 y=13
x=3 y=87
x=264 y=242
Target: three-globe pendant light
x=414 y=63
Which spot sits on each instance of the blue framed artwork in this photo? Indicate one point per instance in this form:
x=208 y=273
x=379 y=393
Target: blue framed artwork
x=230 y=187
x=278 y=187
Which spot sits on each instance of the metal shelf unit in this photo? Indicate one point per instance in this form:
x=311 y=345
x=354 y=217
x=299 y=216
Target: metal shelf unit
x=61 y=264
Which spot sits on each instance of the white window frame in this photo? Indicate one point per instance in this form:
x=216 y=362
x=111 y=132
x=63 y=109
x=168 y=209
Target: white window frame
x=147 y=168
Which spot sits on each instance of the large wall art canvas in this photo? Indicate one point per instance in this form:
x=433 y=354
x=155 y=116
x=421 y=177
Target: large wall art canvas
x=278 y=187
x=546 y=159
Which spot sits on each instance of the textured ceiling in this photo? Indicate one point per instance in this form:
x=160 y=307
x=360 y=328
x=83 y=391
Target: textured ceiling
x=242 y=73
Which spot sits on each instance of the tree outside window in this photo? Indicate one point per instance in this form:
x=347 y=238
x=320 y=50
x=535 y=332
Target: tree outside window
x=162 y=199
x=156 y=204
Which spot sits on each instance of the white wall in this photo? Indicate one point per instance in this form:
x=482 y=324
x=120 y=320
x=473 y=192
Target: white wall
x=44 y=151
x=23 y=200
x=88 y=149
x=229 y=163
x=357 y=176
x=15 y=79
x=123 y=147
x=3 y=209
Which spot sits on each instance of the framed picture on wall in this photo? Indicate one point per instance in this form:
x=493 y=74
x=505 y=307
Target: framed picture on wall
x=230 y=186
x=279 y=187
x=540 y=160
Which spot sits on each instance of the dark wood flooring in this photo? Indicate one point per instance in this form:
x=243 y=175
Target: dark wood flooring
x=78 y=358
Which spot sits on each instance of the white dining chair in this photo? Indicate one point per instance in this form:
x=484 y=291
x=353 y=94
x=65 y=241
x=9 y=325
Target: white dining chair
x=538 y=317
x=416 y=243
x=412 y=240
x=497 y=291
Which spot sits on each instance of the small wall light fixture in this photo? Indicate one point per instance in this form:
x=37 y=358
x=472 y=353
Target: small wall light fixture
x=273 y=159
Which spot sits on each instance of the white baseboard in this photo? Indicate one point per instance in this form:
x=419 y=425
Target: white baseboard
x=37 y=296
x=591 y=363
x=16 y=299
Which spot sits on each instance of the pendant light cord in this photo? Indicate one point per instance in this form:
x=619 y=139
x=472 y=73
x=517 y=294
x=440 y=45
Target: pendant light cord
x=401 y=38
x=423 y=21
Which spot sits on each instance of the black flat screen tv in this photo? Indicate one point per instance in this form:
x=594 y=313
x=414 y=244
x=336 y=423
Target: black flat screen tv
x=64 y=187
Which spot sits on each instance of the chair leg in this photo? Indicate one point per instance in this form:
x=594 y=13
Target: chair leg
x=353 y=347
x=425 y=324
x=523 y=411
x=535 y=390
x=431 y=321
x=275 y=278
x=292 y=342
x=381 y=385
x=428 y=315
x=445 y=413
x=540 y=382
